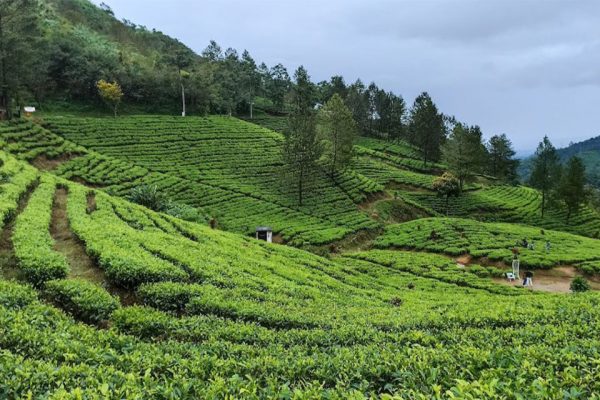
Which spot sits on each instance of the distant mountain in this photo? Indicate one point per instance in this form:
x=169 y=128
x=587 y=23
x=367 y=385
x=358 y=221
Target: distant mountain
x=588 y=151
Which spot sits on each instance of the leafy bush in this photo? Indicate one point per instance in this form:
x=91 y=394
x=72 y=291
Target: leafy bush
x=184 y=211
x=149 y=196
x=82 y=299
x=32 y=241
x=579 y=284
x=14 y=295
x=168 y=296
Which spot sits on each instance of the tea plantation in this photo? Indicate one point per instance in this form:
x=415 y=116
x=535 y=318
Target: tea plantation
x=173 y=309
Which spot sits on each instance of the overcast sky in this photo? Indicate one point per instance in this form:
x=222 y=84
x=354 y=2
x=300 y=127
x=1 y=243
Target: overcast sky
x=521 y=67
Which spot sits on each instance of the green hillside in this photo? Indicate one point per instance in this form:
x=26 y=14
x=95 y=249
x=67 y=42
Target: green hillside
x=129 y=265
x=215 y=313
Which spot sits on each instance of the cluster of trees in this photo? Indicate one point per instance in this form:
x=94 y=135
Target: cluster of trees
x=316 y=139
x=558 y=184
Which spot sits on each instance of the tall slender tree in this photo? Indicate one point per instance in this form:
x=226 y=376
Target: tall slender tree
x=338 y=131
x=464 y=153
x=301 y=152
x=546 y=171
x=571 y=189
x=501 y=162
x=426 y=128
x=303 y=92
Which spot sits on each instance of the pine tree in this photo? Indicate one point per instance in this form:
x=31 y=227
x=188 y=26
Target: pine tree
x=301 y=151
x=338 y=132
x=546 y=171
x=571 y=189
x=464 y=153
x=501 y=162
x=426 y=129
x=303 y=92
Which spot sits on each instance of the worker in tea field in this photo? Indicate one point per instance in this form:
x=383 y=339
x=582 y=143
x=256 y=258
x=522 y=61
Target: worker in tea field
x=547 y=246
x=528 y=281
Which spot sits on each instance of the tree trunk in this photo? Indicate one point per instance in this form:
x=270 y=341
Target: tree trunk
x=251 y=111
x=300 y=188
x=543 y=202
x=182 y=98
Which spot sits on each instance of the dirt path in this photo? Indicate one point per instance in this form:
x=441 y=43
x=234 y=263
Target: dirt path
x=9 y=268
x=555 y=280
x=45 y=163
x=67 y=243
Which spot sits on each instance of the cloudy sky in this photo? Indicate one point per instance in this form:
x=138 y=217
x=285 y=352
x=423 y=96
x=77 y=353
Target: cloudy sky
x=526 y=68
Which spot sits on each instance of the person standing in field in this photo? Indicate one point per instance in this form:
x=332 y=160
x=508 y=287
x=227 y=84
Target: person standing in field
x=547 y=246
x=528 y=282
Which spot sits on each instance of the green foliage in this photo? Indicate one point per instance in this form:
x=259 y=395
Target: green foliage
x=32 y=241
x=571 y=188
x=426 y=128
x=82 y=299
x=337 y=131
x=464 y=153
x=301 y=151
x=495 y=241
x=149 y=196
x=501 y=162
x=447 y=186
x=546 y=171
x=579 y=284
x=15 y=296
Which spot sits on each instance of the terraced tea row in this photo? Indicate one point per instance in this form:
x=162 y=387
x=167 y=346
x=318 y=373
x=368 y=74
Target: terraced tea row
x=537 y=247
x=510 y=204
x=240 y=199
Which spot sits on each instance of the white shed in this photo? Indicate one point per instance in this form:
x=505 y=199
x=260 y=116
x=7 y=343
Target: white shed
x=264 y=233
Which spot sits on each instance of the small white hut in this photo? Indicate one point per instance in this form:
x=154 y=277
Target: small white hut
x=264 y=233
x=29 y=110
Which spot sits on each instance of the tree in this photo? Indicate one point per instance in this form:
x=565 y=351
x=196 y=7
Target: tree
x=301 y=151
x=19 y=34
x=111 y=93
x=546 y=171
x=338 y=131
x=303 y=92
x=426 y=128
x=181 y=58
x=279 y=86
x=464 y=153
x=501 y=162
x=571 y=189
x=446 y=186
x=357 y=102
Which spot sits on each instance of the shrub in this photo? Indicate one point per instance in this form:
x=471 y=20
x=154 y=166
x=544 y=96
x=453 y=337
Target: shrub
x=83 y=300
x=184 y=211
x=14 y=295
x=143 y=322
x=149 y=196
x=168 y=296
x=579 y=284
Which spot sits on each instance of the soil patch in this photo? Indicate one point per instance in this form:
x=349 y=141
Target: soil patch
x=374 y=198
x=81 y=181
x=45 y=163
x=555 y=280
x=403 y=187
x=67 y=243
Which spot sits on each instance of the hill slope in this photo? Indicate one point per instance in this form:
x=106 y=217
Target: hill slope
x=254 y=320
